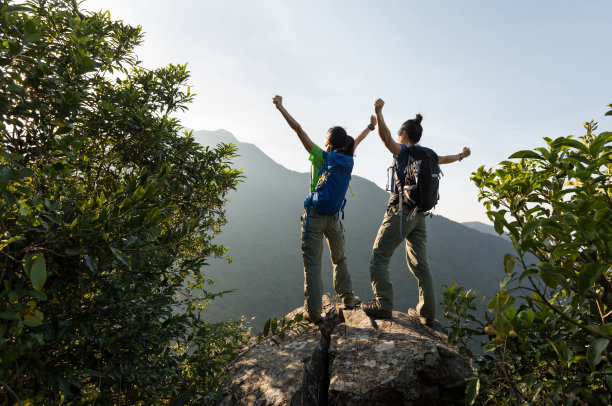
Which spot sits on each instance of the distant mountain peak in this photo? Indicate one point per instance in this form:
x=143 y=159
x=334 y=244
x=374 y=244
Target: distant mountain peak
x=483 y=228
x=214 y=137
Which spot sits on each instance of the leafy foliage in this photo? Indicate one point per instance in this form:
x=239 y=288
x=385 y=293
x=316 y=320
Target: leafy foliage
x=551 y=325
x=107 y=215
x=280 y=328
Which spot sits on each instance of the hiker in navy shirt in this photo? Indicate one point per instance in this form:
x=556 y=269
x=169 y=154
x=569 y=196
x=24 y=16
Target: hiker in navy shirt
x=404 y=222
x=339 y=148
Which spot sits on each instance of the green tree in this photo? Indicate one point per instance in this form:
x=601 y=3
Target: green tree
x=550 y=324
x=108 y=211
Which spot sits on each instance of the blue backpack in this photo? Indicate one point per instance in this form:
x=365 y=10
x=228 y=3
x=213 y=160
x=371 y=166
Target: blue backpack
x=328 y=197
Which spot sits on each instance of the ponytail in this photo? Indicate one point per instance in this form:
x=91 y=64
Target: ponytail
x=340 y=141
x=349 y=146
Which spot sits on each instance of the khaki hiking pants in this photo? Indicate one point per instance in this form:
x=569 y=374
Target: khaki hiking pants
x=414 y=233
x=320 y=227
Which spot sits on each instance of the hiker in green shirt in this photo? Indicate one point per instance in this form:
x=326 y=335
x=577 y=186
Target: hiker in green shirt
x=316 y=226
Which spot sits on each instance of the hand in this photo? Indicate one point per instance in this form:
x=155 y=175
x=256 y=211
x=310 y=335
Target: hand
x=278 y=101
x=466 y=152
x=378 y=105
x=373 y=120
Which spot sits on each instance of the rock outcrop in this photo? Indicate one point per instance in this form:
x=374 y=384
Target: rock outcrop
x=352 y=359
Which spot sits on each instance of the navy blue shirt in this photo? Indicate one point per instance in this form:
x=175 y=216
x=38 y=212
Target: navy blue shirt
x=402 y=161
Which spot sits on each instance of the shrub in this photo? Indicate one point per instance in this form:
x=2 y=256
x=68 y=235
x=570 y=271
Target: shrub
x=107 y=214
x=550 y=325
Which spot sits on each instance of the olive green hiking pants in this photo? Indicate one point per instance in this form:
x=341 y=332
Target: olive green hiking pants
x=320 y=227
x=414 y=233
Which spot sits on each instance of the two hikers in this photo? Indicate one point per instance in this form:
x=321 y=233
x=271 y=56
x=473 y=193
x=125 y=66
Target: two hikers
x=334 y=164
x=404 y=221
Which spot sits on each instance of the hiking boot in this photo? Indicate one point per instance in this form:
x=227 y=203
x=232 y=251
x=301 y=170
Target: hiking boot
x=351 y=303
x=431 y=323
x=313 y=320
x=423 y=320
x=373 y=310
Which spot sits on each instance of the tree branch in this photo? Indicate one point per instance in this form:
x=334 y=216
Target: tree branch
x=563 y=315
x=8 y=388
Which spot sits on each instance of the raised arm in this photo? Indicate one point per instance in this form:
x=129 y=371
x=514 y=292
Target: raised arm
x=447 y=159
x=365 y=132
x=306 y=141
x=383 y=131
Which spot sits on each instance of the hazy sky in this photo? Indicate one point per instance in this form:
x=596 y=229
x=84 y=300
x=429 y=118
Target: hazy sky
x=494 y=76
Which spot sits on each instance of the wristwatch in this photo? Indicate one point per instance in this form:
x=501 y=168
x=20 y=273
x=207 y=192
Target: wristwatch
x=371 y=126
x=461 y=156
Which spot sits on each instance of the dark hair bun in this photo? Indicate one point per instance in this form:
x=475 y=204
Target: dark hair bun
x=418 y=118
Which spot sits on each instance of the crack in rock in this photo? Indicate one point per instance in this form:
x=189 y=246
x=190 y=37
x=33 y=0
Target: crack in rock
x=315 y=385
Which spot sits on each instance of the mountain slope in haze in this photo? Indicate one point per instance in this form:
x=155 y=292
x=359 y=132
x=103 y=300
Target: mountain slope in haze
x=484 y=228
x=263 y=236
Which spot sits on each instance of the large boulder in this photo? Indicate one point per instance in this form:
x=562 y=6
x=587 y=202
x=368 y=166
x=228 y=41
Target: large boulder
x=352 y=359
x=397 y=361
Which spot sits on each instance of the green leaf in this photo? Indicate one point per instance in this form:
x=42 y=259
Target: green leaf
x=120 y=256
x=529 y=229
x=266 y=328
x=588 y=275
x=550 y=277
x=5 y=175
x=130 y=241
x=273 y=325
x=555 y=347
x=91 y=372
x=605 y=329
x=568 y=142
x=32 y=33
x=505 y=281
x=530 y=318
x=500 y=302
x=90 y=263
x=564 y=353
x=42 y=296
x=138 y=193
x=14 y=47
x=14 y=9
x=15 y=88
x=13 y=296
x=509 y=262
x=73 y=251
x=472 y=390
x=64 y=386
x=35 y=320
x=528 y=273
x=598 y=144
x=10 y=198
x=525 y=154
x=27 y=264
x=597 y=347
x=9 y=316
x=499 y=227
x=25 y=173
x=38 y=271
